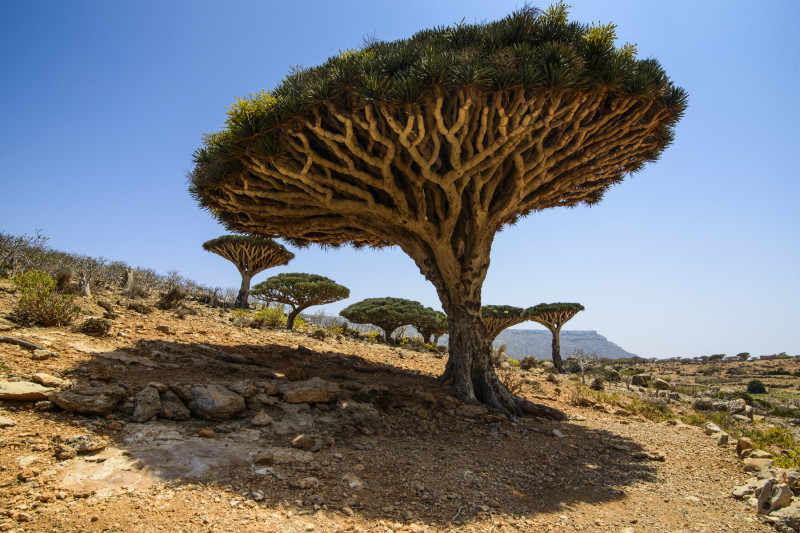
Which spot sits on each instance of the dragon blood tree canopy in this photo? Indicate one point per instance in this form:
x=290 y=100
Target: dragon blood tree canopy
x=499 y=317
x=251 y=255
x=434 y=143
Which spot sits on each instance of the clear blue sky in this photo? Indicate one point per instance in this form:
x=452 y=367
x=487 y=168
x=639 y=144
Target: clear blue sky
x=102 y=104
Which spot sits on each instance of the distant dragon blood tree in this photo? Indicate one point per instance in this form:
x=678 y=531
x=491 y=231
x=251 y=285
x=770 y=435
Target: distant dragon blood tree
x=299 y=291
x=431 y=325
x=553 y=317
x=499 y=317
x=436 y=142
x=251 y=255
x=386 y=313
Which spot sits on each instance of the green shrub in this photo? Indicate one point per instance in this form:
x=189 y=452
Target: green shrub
x=239 y=317
x=39 y=303
x=756 y=387
x=270 y=317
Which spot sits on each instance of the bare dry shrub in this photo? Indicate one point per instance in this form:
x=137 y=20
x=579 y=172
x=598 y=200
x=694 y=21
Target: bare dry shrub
x=171 y=298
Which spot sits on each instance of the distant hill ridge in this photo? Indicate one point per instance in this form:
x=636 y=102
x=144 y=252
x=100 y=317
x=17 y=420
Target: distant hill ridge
x=536 y=342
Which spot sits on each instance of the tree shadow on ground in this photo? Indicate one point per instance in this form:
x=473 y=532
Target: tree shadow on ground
x=417 y=460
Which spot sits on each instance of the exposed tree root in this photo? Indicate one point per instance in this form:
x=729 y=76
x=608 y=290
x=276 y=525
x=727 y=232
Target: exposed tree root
x=22 y=343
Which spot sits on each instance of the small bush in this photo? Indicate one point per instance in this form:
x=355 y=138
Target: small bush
x=269 y=317
x=512 y=380
x=756 y=387
x=39 y=303
x=239 y=317
x=528 y=363
x=171 y=298
x=140 y=308
x=182 y=312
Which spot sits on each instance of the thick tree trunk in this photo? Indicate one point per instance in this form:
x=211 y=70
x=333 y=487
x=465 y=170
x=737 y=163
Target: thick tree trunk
x=556 y=350
x=244 y=290
x=291 y=316
x=469 y=370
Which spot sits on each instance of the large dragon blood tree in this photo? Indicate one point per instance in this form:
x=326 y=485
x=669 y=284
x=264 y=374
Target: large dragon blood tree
x=251 y=255
x=436 y=142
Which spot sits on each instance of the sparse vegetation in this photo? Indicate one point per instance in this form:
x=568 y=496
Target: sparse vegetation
x=39 y=303
x=299 y=291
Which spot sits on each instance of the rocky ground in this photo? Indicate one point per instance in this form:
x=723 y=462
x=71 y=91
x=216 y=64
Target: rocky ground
x=196 y=425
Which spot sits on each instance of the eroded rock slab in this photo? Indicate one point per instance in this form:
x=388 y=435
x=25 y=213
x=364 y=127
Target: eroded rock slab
x=215 y=402
x=23 y=391
x=314 y=390
x=94 y=399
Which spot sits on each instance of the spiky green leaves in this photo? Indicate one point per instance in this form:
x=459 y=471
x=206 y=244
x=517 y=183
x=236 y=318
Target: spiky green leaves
x=537 y=50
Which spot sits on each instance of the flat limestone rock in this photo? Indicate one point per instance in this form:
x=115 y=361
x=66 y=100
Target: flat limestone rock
x=92 y=399
x=215 y=402
x=23 y=391
x=314 y=390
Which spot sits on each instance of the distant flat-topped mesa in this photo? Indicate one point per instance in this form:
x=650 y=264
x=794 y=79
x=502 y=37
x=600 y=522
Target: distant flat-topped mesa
x=536 y=342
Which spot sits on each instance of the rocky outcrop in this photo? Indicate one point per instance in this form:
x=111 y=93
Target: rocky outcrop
x=314 y=390
x=89 y=399
x=214 y=402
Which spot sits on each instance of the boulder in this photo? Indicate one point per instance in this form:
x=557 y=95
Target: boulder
x=47 y=380
x=215 y=402
x=172 y=408
x=641 y=380
x=756 y=465
x=660 y=384
x=774 y=495
x=793 y=478
x=313 y=390
x=23 y=391
x=148 y=404
x=743 y=444
x=704 y=404
x=736 y=406
x=612 y=374
x=711 y=428
x=788 y=518
x=94 y=399
x=6 y=422
x=262 y=419
x=760 y=454
x=722 y=439
x=245 y=388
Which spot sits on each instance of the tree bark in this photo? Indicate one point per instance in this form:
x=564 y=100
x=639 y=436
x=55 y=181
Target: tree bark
x=471 y=373
x=244 y=290
x=291 y=316
x=556 y=350
x=457 y=268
